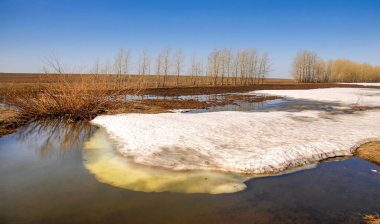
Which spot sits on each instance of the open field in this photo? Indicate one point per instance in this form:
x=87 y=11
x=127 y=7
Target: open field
x=21 y=80
x=147 y=84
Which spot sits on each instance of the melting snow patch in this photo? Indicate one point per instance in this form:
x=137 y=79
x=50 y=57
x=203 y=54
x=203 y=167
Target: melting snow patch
x=247 y=142
x=238 y=142
x=348 y=96
x=363 y=83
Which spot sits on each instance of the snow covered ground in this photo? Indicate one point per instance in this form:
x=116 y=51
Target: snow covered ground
x=344 y=96
x=247 y=142
x=363 y=83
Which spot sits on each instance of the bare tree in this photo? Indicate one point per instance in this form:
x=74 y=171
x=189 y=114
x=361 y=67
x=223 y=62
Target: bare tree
x=118 y=64
x=53 y=64
x=228 y=63
x=178 y=59
x=127 y=66
x=243 y=62
x=96 y=67
x=305 y=66
x=158 y=68
x=144 y=67
x=236 y=66
x=264 y=67
x=214 y=66
x=193 y=69
x=165 y=64
x=196 y=70
x=252 y=66
x=106 y=68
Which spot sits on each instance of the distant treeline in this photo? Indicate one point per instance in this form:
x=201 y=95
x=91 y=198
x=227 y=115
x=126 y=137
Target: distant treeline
x=309 y=68
x=222 y=67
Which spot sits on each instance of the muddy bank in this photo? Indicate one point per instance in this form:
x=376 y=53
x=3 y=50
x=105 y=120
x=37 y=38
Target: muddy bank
x=370 y=151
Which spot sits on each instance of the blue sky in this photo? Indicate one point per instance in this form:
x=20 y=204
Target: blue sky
x=79 y=31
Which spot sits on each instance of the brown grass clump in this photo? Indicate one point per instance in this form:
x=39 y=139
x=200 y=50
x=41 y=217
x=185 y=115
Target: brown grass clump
x=9 y=121
x=370 y=151
x=57 y=97
x=371 y=219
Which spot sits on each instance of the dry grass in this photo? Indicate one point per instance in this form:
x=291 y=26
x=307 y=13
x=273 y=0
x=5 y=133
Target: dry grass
x=21 y=80
x=56 y=96
x=371 y=219
x=370 y=151
x=9 y=121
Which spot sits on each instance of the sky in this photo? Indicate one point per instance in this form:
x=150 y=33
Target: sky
x=80 y=31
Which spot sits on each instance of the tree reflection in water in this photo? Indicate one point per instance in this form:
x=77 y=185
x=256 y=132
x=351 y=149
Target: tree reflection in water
x=55 y=137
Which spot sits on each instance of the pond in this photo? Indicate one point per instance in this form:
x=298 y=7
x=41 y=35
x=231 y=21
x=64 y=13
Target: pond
x=57 y=172
x=239 y=102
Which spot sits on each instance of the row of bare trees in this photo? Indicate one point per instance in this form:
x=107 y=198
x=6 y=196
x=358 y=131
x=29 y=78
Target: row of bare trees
x=222 y=67
x=347 y=71
x=308 y=68
x=244 y=67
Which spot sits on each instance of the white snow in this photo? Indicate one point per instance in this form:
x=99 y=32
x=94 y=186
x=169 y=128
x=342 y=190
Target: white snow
x=363 y=83
x=247 y=142
x=347 y=96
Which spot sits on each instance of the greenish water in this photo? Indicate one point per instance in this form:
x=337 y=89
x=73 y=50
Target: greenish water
x=102 y=159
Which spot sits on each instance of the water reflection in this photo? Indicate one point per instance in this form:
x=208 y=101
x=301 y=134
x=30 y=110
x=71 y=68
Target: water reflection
x=55 y=137
x=283 y=104
x=102 y=160
x=42 y=190
x=202 y=98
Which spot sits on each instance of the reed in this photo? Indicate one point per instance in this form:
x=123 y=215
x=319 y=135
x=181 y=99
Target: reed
x=56 y=96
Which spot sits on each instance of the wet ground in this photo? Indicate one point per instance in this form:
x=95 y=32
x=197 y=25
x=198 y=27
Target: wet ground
x=245 y=102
